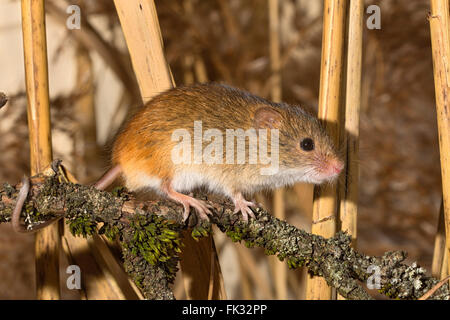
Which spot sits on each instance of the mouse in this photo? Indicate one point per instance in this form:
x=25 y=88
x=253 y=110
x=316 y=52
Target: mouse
x=221 y=138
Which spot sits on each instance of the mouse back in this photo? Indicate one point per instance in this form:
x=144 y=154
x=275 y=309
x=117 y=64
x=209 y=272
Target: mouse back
x=146 y=142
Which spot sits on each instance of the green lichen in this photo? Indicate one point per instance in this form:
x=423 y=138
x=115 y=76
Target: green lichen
x=157 y=240
x=294 y=263
x=237 y=232
x=138 y=280
x=82 y=226
x=249 y=244
x=203 y=229
x=270 y=251
x=386 y=290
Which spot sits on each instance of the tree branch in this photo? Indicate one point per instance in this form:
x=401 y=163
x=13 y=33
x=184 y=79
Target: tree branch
x=149 y=232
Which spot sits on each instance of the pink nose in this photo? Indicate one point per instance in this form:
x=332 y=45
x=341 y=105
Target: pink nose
x=336 y=166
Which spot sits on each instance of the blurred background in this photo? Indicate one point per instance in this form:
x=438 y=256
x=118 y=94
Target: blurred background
x=92 y=84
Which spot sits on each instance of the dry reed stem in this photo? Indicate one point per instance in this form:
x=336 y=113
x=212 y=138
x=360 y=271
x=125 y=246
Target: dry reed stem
x=349 y=189
x=439 y=245
x=145 y=47
x=444 y=270
x=96 y=283
x=246 y=287
x=200 y=69
x=70 y=260
x=85 y=140
x=110 y=265
x=439 y=26
x=325 y=206
x=278 y=269
x=47 y=243
x=251 y=269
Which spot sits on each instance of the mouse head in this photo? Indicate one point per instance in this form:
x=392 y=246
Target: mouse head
x=306 y=152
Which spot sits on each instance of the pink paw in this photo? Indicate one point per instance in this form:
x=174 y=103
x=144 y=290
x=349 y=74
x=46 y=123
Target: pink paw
x=243 y=206
x=201 y=207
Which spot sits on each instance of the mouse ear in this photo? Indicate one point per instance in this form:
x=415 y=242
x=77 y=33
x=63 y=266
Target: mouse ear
x=267 y=118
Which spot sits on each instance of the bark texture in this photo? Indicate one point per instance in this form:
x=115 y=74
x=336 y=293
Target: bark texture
x=150 y=234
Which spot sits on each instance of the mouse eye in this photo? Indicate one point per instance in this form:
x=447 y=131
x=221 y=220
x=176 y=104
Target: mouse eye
x=307 y=144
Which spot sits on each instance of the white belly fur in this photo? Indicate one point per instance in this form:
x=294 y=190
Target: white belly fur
x=183 y=181
x=186 y=181
x=140 y=180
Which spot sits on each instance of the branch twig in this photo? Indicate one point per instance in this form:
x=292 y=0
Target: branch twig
x=150 y=235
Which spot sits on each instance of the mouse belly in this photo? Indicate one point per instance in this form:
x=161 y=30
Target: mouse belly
x=186 y=181
x=141 y=180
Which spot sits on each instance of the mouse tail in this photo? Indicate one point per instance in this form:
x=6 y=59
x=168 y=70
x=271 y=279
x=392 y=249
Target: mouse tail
x=15 y=216
x=108 y=178
x=21 y=197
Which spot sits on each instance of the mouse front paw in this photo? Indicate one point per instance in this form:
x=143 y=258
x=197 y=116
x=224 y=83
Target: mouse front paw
x=242 y=205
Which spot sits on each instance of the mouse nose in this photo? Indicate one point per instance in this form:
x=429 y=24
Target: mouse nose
x=336 y=166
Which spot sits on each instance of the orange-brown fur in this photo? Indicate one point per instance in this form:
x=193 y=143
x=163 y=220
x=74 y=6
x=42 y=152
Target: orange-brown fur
x=144 y=145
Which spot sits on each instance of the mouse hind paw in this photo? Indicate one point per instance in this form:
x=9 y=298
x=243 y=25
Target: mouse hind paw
x=201 y=207
x=243 y=206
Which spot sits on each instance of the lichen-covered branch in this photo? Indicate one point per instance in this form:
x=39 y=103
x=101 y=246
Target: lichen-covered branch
x=149 y=232
x=150 y=243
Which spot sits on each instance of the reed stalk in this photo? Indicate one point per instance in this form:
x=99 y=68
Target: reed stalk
x=325 y=204
x=278 y=269
x=349 y=188
x=47 y=244
x=439 y=246
x=439 y=26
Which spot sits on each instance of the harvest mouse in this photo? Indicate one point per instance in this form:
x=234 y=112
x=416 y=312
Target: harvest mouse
x=224 y=139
